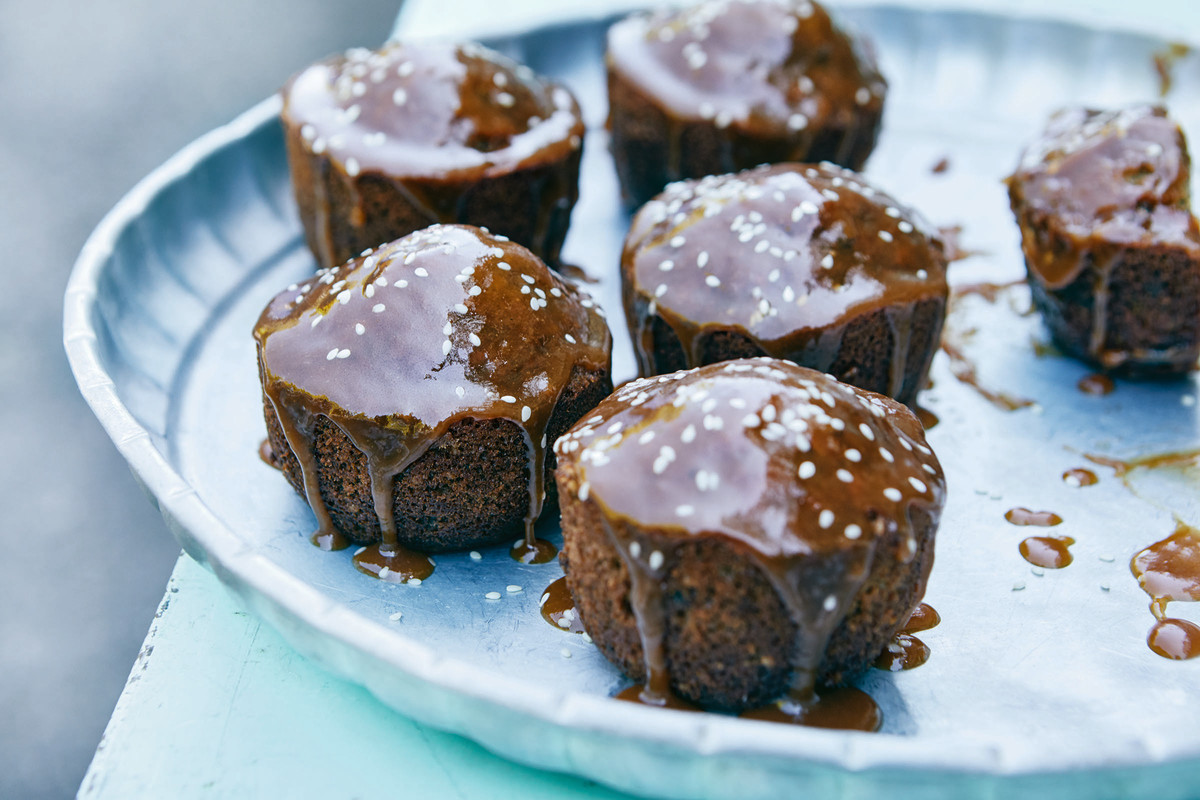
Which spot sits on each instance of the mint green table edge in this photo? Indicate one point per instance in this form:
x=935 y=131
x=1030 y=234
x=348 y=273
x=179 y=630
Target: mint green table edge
x=218 y=705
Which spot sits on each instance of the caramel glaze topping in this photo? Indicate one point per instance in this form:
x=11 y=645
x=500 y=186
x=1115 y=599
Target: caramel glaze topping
x=785 y=462
x=431 y=109
x=396 y=346
x=1110 y=179
x=432 y=112
x=766 y=67
x=786 y=254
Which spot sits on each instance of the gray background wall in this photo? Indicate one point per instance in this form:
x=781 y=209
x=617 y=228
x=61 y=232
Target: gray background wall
x=93 y=96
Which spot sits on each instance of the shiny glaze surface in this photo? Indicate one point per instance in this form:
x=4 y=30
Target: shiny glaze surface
x=787 y=254
x=1048 y=552
x=430 y=109
x=779 y=67
x=1169 y=570
x=778 y=459
x=397 y=345
x=1024 y=516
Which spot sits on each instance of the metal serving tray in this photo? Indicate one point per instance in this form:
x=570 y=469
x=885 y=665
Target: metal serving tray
x=1040 y=683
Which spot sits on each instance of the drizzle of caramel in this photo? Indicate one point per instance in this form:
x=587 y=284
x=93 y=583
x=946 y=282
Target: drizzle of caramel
x=1169 y=570
x=266 y=454
x=929 y=420
x=903 y=652
x=941 y=166
x=988 y=290
x=1180 y=459
x=532 y=551
x=963 y=368
x=843 y=708
x=329 y=541
x=1049 y=552
x=1041 y=519
x=923 y=618
x=1078 y=476
x=1096 y=384
x=1164 y=64
x=558 y=607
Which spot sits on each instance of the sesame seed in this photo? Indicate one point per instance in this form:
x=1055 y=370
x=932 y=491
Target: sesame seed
x=827 y=261
x=853 y=455
x=666 y=265
x=830 y=603
x=892 y=494
x=385 y=571
x=702 y=259
x=807 y=470
x=892 y=212
x=724 y=119
x=352 y=167
x=825 y=519
x=331 y=355
x=866 y=431
x=862 y=96
x=492 y=595
x=853 y=531
x=917 y=484
x=661 y=290
x=844 y=476
x=405 y=69
x=713 y=281
x=886 y=236
x=513 y=588
x=887 y=455
x=401 y=284
x=447 y=346
x=678 y=241
x=421 y=272
x=410 y=581
x=359 y=328
x=396 y=616
x=508 y=398
x=635 y=549
x=378 y=308
x=503 y=265
x=344 y=296
x=585 y=489
x=565 y=653
x=689 y=434
x=505 y=100
x=400 y=97
x=474 y=339
x=684 y=510
x=656 y=560
x=475 y=555
x=460 y=391
x=905 y=226
x=525 y=413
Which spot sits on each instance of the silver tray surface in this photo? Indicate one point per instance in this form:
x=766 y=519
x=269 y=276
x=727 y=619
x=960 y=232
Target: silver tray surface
x=1038 y=684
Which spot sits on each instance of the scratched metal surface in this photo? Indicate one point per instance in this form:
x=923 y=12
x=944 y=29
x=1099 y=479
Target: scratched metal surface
x=1039 y=684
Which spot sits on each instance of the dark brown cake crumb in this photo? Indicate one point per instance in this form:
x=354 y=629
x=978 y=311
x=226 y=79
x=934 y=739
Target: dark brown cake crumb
x=747 y=529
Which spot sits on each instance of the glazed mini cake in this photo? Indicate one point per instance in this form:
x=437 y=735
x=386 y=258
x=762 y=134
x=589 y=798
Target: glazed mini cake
x=731 y=84
x=1112 y=249
x=383 y=143
x=745 y=530
x=804 y=262
x=411 y=394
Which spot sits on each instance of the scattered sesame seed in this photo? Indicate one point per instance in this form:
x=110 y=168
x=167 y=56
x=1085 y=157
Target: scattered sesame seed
x=525 y=413
x=508 y=398
x=797 y=122
x=887 y=455
x=331 y=355
x=492 y=595
x=825 y=519
x=447 y=346
x=400 y=97
x=684 y=510
x=827 y=261
x=635 y=549
x=421 y=272
x=807 y=470
x=892 y=494
x=702 y=259
x=378 y=308
x=853 y=531
x=475 y=555
x=844 y=476
x=830 y=603
x=565 y=653
x=585 y=490
x=1018 y=586
x=413 y=581
x=352 y=167
x=569 y=338
x=862 y=96
x=678 y=241
x=917 y=484
x=396 y=616
x=513 y=588
x=713 y=281
x=886 y=236
x=656 y=560
x=460 y=391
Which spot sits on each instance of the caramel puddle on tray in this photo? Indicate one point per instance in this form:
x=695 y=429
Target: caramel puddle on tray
x=392 y=563
x=558 y=607
x=532 y=551
x=1079 y=476
x=1049 y=552
x=906 y=651
x=843 y=708
x=1169 y=570
x=1039 y=519
x=1096 y=384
